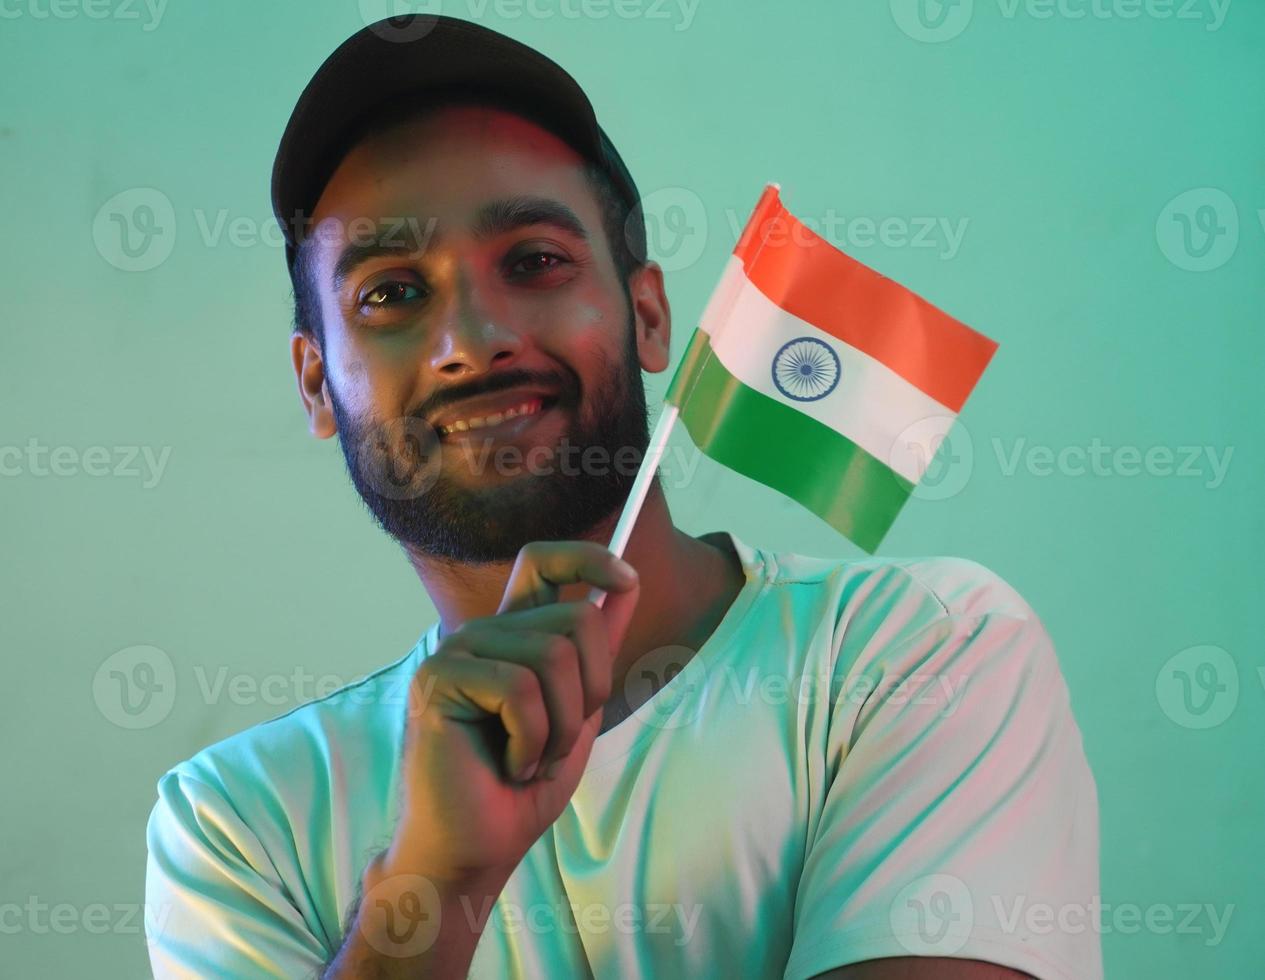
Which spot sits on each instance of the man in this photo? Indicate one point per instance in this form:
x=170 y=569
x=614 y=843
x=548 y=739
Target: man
x=742 y=763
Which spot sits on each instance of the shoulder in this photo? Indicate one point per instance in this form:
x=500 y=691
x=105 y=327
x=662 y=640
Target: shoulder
x=947 y=586
x=876 y=623
x=869 y=593
x=952 y=760
x=965 y=587
x=300 y=752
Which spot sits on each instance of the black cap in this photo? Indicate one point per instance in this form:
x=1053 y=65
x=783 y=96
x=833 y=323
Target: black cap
x=417 y=57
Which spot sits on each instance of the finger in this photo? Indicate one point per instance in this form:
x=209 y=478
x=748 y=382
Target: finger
x=584 y=624
x=470 y=689
x=555 y=659
x=543 y=567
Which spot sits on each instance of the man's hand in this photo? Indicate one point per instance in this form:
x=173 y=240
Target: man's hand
x=501 y=721
x=503 y=715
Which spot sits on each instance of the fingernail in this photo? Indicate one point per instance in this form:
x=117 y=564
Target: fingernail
x=625 y=571
x=527 y=771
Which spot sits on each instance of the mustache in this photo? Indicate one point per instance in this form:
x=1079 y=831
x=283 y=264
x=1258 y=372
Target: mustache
x=565 y=387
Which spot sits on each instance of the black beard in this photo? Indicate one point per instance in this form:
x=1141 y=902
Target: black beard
x=395 y=467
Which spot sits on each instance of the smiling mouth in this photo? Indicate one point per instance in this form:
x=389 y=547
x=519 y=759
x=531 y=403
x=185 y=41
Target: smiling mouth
x=499 y=421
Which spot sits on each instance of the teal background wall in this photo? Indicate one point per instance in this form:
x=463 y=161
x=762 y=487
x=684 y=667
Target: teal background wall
x=1035 y=166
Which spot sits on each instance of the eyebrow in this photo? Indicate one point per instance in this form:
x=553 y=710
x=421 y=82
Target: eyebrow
x=494 y=218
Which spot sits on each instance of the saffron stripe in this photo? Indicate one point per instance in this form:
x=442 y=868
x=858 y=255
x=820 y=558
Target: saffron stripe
x=870 y=403
x=810 y=278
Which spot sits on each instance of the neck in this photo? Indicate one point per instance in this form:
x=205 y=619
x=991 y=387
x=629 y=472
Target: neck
x=686 y=583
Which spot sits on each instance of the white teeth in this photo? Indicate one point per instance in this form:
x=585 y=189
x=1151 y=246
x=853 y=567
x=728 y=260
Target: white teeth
x=463 y=425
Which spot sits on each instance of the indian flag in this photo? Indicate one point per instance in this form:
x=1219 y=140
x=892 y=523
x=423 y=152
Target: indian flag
x=817 y=376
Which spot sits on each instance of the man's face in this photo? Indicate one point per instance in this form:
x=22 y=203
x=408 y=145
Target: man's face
x=463 y=273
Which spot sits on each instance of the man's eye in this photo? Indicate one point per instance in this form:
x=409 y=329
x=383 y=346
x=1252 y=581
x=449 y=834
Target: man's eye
x=538 y=262
x=389 y=293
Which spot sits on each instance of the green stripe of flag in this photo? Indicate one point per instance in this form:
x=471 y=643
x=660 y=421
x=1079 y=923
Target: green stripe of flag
x=783 y=448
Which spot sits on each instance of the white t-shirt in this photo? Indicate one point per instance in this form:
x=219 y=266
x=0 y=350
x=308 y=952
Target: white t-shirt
x=867 y=758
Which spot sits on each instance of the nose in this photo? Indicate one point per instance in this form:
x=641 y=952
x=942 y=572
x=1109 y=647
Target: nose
x=473 y=339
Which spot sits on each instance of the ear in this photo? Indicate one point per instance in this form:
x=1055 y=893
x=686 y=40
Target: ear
x=309 y=369
x=652 y=317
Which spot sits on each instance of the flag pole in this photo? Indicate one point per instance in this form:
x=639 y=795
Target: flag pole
x=662 y=429
x=640 y=487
